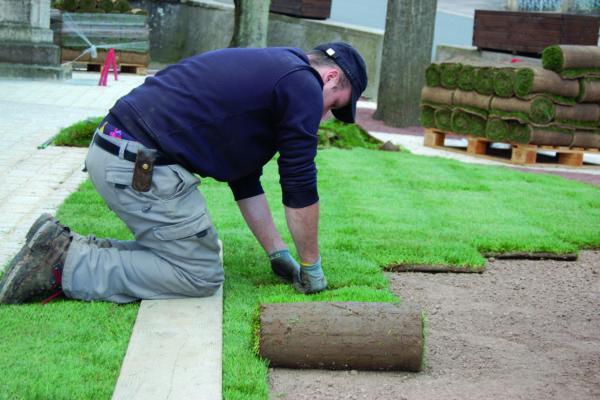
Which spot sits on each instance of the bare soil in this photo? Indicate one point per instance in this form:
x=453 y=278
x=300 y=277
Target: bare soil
x=522 y=329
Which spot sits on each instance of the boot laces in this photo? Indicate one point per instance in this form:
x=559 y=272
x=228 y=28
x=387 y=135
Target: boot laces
x=57 y=282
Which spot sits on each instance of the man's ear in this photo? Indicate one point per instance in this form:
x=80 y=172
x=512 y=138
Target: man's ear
x=331 y=74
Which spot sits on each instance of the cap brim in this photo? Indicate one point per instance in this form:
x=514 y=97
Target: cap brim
x=347 y=114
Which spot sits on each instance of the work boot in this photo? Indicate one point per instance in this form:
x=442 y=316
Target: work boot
x=37 y=269
x=90 y=240
x=41 y=220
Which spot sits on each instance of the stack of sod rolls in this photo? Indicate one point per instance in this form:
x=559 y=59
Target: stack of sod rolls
x=554 y=102
x=97 y=7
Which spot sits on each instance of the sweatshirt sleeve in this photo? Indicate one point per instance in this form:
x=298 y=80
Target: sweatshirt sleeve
x=248 y=186
x=298 y=107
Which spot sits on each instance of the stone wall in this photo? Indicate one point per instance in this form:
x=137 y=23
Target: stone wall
x=26 y=48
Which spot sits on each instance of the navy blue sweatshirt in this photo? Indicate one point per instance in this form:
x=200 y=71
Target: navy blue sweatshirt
x=224 y=114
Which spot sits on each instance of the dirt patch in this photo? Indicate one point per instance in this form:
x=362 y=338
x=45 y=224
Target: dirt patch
x=521 y=330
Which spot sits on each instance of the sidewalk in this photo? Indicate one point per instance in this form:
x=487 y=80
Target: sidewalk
x=33 y=180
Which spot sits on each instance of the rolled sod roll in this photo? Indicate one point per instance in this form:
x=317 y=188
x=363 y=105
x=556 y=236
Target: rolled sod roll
x=518 y=132
x=496 y=130
x=500 y=106
x=504 y=82
x=539 y=110
x=342 y=335
x=443 y=118
x=427 y=117
x=471 y=99
x=466 y=123
x=478 y=125
x=484 y=80
x=542 y=136
x=450 y=73
x=106 y=5
x=589 y=91
x=586 y=140
x=563 y=57
x=437 y=95
x=122 y=6
x=433 y=75
x=70 y=5
x=466 y=79
x=529 y=81
x=542 y=110
x=87 y=5
x=461 y=122
x=585 y=113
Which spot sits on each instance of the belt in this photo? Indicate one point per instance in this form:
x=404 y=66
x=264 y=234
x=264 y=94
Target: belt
x=127 y=155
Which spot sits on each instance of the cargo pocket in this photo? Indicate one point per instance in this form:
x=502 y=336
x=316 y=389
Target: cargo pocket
x=119 y=195
x=186 y=181
x=119 y=177
x=197 y=227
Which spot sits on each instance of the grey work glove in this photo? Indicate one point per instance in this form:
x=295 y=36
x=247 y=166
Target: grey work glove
x=285 y=267
x=313 y=279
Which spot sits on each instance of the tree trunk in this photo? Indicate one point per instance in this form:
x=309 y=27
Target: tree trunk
x=251 y=23
x=342 y=335
x=407 y=45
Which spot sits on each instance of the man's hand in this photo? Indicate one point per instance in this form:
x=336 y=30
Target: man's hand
x=313 y=278
x=285 y=267
x=306 y=279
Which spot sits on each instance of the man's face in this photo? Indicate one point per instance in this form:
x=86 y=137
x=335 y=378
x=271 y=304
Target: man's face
x=334 y=96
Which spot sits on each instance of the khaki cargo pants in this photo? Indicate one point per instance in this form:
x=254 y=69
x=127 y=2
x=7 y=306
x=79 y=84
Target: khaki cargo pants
x=175 y=252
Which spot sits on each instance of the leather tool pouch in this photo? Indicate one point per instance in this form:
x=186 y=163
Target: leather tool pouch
x=142 y=172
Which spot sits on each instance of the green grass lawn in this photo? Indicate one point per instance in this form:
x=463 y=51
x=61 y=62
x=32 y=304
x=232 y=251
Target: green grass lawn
x=377 y=209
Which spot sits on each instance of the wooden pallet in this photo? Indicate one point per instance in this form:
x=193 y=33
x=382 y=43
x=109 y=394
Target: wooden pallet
x=517 y=154
x=121 y=68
